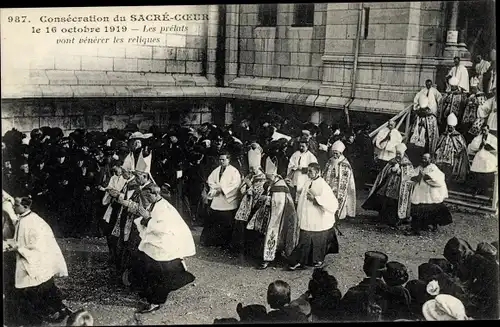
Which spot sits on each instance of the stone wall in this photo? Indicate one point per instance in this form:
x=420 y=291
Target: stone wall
x=104 y=113
x=283 y=51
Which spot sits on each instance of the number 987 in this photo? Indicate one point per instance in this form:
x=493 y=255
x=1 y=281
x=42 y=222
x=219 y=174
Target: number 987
x=16 y=19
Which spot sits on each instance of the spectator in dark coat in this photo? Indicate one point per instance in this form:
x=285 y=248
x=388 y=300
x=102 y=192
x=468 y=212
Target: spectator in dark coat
x=278 y=298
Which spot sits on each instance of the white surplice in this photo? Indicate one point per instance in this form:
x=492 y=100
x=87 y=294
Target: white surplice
x=319 y=216
x=432 y=94
x=387 y=149
x=298 y=161
x=166 y=236
x=39 y=256
x=462 y=75
x=488 y=111
x=432 y=191
x=228 y=199
x=484 y=161
x=115 y=183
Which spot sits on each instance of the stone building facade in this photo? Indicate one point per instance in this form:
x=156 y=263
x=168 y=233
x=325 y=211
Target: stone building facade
x=316 y=61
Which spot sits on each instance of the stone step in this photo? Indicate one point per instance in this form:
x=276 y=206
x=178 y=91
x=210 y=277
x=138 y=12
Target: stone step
x=479 y=202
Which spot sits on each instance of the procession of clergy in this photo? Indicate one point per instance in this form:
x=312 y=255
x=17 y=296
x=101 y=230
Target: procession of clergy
x=257 y=202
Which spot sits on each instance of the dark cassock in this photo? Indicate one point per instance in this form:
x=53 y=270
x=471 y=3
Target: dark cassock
x=165 y=242
x=371 y=290
x=391 y=192
x=424 y=133
x=60 y=192
x=471 y=122
x=253 y=198
x=223 y=183
x=453 y=102
x=427 y=201
x=275 y=220
x=196 y=181
x=485 y=163
x=316 y=209
x=451 y=153
x=364 y=166
x=339 y=175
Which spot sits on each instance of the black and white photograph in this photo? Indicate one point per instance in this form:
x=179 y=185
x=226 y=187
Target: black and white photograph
x=221 y=163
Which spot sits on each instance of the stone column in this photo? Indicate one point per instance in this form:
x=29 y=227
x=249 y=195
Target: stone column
x=451 y=49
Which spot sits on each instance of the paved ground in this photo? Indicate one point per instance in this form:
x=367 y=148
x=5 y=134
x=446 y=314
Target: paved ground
x=223 y=281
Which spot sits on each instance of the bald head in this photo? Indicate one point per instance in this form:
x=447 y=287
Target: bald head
x=426 y=159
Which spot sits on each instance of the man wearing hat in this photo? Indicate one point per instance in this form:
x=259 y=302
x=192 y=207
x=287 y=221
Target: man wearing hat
x=460 y=73
x=451 y=153
x=372 y=289
x=485 y=164
x=427 y=201
x=297 y=166
x=488 y=111
x=453 y=102
x=317 y=207
x=391 y=192
x=425 y=131
x=339 y=175
x=471 y=122
x=385 y=143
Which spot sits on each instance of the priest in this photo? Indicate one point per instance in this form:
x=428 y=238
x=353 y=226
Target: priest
x=339 y=175
x=39 y=259
x=385 y=141
x=488 y=111
x=471 y=122
x=454 y=101
x=298 y=166
x=276 y=220
x=166 y=241
x=460 y=73
x=427 y=201
x=391 y=192
x=485 y=164
x=425 y=131
x=224 y=183
x=316 y=210
x=451 y=153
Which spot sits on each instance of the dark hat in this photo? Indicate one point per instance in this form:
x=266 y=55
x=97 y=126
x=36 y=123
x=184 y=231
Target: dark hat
x=375 y=261
x=495 y=244
x=253 y=312
x=395 y=274
x=418 y=291
x=444 y=264
x=60 y=152
x=456 y=249
x=428 y=272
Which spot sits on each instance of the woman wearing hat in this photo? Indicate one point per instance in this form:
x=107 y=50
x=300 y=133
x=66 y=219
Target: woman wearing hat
x=444 y=307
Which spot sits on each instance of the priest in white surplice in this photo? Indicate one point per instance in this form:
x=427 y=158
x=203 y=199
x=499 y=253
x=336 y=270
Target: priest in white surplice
x=339 y=175
x=459 y=72
x=165 y=241
x=38 y=260
x=297 y=166
x=484 y=149
x=385 y=142
x=427 y=201
x=137 y=152
x=488 y=111
x=316 y=211
x=224 y=183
